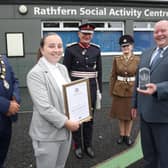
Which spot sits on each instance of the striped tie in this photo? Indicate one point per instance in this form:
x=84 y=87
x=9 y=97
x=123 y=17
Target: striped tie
x=157 y=57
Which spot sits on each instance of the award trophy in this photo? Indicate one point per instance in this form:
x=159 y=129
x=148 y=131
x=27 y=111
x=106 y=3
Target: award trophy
x=144 y=77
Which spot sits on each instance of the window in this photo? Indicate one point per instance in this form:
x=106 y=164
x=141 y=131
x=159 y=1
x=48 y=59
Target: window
x=106 y=33
x=67 y=30
x=143 y=35
x=51 y=24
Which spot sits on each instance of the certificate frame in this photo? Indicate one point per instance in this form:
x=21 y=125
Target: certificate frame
x=77 y=100
x=15 y=44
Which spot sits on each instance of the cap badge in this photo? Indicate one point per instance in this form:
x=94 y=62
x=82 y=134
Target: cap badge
x=125 y=40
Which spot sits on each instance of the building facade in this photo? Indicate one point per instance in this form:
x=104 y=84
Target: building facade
x=22 y=24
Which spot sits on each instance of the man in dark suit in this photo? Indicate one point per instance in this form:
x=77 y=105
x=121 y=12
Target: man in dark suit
x=9 y=105
x=83 y=60
x=152 y=102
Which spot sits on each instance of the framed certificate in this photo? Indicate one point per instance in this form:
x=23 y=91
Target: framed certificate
x=77 y=100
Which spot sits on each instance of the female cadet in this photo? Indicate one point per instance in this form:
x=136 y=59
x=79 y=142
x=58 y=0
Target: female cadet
x=121 y=87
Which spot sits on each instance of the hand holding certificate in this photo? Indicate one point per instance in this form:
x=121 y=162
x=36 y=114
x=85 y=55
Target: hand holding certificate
x=77 y=100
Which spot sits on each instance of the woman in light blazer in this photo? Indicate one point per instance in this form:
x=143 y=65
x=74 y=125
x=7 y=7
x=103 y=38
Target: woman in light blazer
x=50 y=129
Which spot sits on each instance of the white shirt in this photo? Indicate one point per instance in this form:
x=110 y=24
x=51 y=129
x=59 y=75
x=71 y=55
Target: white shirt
x=54 y=70
x=155 y=53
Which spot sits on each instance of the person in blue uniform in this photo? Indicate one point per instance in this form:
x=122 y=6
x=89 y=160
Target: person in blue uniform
x=83 y=60
x=9 y=105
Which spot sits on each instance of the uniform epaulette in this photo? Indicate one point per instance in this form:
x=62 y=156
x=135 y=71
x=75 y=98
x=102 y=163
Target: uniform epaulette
x=71 y=44
x=96 y=45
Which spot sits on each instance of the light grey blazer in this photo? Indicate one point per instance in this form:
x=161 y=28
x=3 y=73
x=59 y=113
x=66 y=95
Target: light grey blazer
x=48 y=118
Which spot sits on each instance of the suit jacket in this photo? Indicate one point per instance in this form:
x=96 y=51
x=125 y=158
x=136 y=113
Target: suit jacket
x=6 y=95
x=48 y=106
x=153 y=108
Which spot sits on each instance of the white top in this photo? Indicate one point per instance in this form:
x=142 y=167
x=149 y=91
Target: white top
x=54 y=70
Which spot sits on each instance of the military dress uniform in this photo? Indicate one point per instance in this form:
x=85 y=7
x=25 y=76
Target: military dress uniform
x=122 y=85
x=122 y=82
x=8 y=90
x=84 y=62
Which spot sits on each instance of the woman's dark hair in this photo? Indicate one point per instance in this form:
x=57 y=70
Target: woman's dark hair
x=42 y=41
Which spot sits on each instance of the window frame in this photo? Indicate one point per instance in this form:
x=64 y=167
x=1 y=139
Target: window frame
x=106 y=28
x=148 y=28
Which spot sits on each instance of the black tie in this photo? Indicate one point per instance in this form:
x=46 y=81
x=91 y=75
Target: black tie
x=157 y=57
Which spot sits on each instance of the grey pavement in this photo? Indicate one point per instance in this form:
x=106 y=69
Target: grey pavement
x=106 y=131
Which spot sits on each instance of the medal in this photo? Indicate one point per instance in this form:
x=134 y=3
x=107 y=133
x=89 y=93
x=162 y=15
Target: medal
x=6 y=84
x=3 y=70
x=94 y=67
x=2 y=76
x=84 y=52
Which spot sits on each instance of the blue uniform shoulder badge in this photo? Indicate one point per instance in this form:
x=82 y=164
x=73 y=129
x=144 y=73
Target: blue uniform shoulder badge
x=71 y=44
x=96 y=45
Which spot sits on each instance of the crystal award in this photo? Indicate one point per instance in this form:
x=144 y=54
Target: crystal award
x=144 y=77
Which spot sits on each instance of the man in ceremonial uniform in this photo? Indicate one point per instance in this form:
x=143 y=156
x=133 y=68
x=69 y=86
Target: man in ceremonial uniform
x=9 y=105
x=83 y=60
